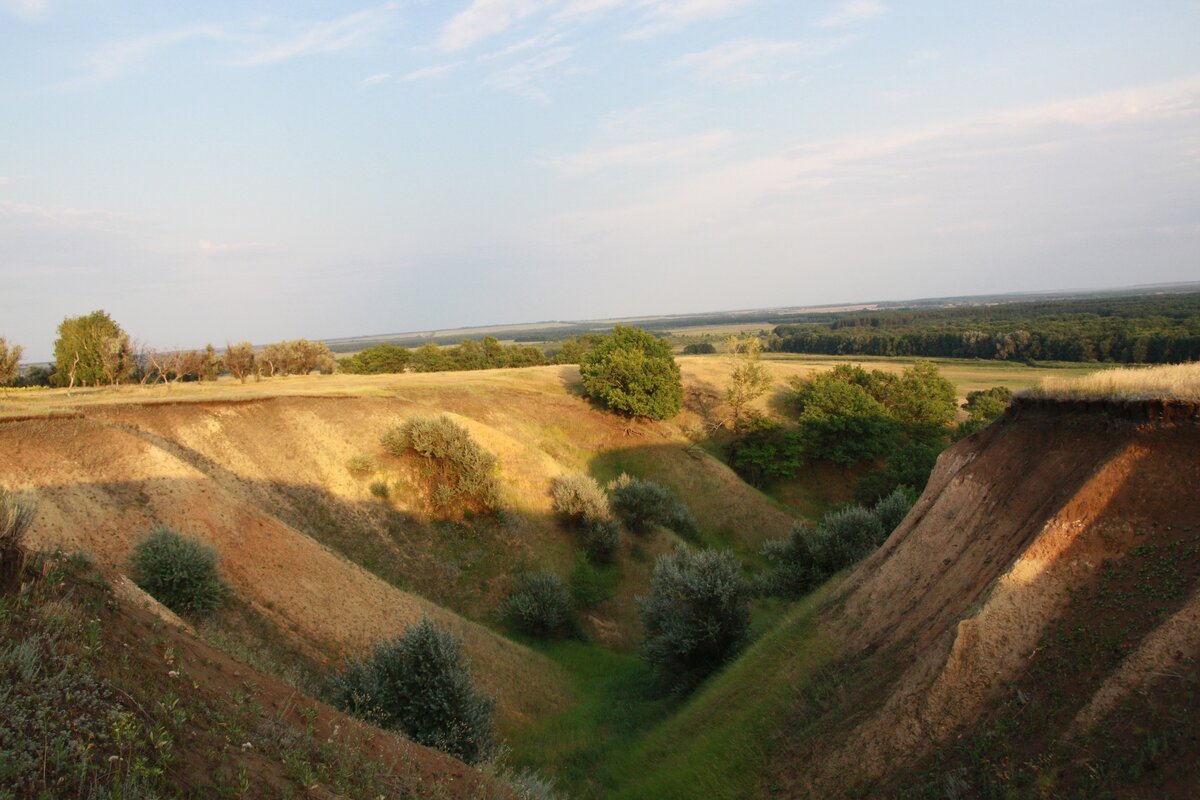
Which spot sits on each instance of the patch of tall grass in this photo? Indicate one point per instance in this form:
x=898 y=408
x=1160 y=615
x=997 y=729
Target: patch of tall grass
x=1179 y=382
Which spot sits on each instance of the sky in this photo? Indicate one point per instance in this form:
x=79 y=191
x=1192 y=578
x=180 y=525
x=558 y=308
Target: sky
x=213 y=172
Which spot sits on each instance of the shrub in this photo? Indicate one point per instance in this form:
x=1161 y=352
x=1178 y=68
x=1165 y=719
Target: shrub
x=850 y=533
x=464 y=473
x=539 y=604
x=698 y=348
x=380 y=489
x=767 y=452
x=682 y=521
x=696 y=615
x=909 y=465
x=643 y=504
x=578 y=497
x=602 y=539
x=891 y=510
x=795 y=563
x=178 y=571
x=983 y=407
x=801 y=561
x=15 y=518
x=633 y=372
x=360 y=464
x=419 y=684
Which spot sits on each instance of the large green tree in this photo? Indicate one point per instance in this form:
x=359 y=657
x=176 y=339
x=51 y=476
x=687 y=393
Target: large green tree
x=92 y=350
x=634 y=372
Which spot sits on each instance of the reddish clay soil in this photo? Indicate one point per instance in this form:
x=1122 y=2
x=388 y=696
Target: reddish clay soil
x=1022 y=525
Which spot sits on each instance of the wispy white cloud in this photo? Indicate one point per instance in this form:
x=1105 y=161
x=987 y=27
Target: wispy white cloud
x=348 y=32
x=665 y=16
x=736 y=190
x=377 y=78
x=25 y=9
x=528 y=78
x=852 y=12
x=486 y=18
x=753 y=60
x=435 y=71
x=637 y=154
x=268 y=42
x=118 y=58
x=531 y=43
x=583 y=9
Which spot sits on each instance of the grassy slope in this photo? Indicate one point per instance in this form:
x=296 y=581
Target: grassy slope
x=104 y=699
x=625 y=739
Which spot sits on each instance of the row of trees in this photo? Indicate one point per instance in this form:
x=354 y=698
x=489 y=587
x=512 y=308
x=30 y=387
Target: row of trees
x=468 y=355
x=630 y=370
x=93 y=350
x=1150 y=330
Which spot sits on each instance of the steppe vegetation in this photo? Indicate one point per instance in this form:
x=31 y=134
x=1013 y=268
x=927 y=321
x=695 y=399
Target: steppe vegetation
x=418 y=684
x=1179 y=382
x=665 y=618
x=178 y=571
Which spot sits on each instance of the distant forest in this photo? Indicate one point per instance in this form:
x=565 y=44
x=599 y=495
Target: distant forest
x=1153 y=329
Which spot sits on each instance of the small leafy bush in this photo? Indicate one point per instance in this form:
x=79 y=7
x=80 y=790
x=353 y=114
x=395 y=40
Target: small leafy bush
x=682 y=521
x=380 y=489
x=463 y=472
x=696 y=616
x=15 y=519
x=578 y=497
x=360 y=464
x=581 y=501
x=892 y=510
x=796 y=563
x=642 y=504
x=419 y=684
x=178 y=571
x=805 y=558
x=849 y=534
x=539 y=605
x=602 y=540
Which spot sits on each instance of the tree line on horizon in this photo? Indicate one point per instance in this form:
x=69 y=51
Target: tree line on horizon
x=1155 y=329
x=93 y=350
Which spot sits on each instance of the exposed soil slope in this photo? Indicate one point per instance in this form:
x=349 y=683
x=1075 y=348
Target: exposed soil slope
x=264 y=479
x=1053 y=563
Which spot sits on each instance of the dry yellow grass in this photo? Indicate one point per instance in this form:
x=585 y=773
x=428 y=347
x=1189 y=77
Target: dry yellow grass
x=1177 y=382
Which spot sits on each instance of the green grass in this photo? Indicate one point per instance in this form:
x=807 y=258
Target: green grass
x=718 y=744
x=616 y=703
x=623 y=739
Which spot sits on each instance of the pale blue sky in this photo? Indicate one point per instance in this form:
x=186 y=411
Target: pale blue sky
x=221 y=171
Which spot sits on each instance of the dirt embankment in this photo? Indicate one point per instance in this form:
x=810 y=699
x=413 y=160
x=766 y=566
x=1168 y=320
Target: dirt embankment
x=230 y=475
x=1066 y=533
